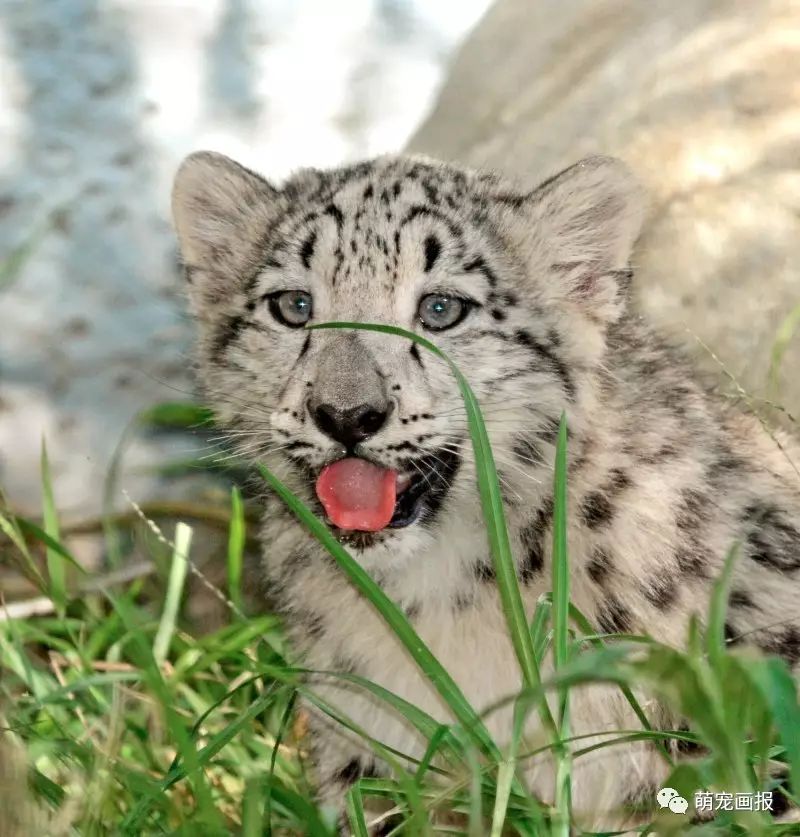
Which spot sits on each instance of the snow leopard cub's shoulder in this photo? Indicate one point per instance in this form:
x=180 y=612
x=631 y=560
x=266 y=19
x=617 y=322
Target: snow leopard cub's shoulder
x=528 y=291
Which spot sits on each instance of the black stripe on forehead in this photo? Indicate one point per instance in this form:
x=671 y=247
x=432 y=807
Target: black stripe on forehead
x=419 y=211
x=478 y=265
x=307 y=249
x=335 y=213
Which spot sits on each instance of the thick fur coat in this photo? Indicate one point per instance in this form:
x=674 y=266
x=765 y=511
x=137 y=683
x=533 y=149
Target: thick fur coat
x=663 y=477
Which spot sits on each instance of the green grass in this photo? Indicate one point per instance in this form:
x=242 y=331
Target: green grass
x=134 y=722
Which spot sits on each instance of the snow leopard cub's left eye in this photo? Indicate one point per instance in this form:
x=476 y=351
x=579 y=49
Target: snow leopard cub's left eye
x=440 y=311
x=292 y=308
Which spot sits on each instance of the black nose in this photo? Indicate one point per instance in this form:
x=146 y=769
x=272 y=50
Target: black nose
x=349 y=426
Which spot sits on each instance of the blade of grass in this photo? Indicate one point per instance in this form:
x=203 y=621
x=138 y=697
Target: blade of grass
x=252 y=810
x=508 y=766
x=284 y=725
x=715 y=630
x=540 y=634
x=561 y=640
x=236 y=541
x=172 y=601
x=10 y=528
x=32 y=530
x=783 y=338
x=560 y=558
x=55 y=564
x=140 y=648
x=776 y=684
x=177 y=415
x=354 y=805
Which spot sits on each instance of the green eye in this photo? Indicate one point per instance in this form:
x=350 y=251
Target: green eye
x=292 y=308
x=440 y=311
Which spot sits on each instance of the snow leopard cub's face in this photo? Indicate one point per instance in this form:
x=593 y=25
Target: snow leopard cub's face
x=517 y=288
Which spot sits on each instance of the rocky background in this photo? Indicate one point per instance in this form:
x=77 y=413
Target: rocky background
x=99 y=101
x=702 y=98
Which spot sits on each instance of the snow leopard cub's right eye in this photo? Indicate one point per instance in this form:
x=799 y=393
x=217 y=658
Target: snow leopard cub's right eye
x=439 y=311
x=292 y=308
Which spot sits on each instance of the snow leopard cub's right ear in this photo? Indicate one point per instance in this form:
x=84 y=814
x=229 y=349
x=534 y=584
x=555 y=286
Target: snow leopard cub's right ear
x=221 y=211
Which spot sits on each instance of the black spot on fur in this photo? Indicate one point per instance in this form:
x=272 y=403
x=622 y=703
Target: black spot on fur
x=349 y=773
x=784 y=642
x=498 y=314
x=613 y=617
x=618 y=480
x=661 y=591
x=725 y=464
x=431 y=192
x=307 y=250
x=693 y=560
x=527 y=451
x=741 y=599
x=640 y=797
x=226 y=333
x=414 y=351
x=545 y=355
x=432 y=250
x=368 y=191
x=692 y=512
x=484 y=570
x=412 y=610
x=596 y=510
x=731 y=634
x=549 y=432
x=532 y=538
x=599 y=565
x=312 y=622
x=344 y=664
x=772 y=541
x=306 y=344
x=780 y=802
x=335 y=213
x=462 y=601
x=688 y=748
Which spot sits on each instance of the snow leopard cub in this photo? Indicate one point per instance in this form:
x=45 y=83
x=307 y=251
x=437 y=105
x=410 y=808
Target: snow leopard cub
x=528 y=291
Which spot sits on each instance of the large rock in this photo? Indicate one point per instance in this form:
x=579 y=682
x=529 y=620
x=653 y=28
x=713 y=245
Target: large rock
x=702 y=98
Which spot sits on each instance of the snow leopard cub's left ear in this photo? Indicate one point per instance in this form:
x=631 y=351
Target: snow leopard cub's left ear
x=581 y=226
x=221 y=211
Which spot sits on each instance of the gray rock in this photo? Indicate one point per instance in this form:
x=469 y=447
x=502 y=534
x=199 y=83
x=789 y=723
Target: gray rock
x=701 y=98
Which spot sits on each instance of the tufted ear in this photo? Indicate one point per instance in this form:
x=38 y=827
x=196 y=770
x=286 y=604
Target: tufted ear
x=221 y=212
x=582 y=226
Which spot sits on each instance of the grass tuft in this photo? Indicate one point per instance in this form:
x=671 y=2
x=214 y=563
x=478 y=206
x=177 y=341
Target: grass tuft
x=134 y=721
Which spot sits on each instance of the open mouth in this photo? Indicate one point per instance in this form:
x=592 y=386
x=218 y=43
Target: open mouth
x=358 y=495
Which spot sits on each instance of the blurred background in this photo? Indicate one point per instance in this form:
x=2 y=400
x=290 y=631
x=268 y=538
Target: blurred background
x=100 y=99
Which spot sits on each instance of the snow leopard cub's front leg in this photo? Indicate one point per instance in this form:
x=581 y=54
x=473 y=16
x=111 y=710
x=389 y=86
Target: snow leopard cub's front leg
x=528 y=291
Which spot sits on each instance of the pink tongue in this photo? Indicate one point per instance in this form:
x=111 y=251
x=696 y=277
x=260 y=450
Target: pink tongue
x=357 y=494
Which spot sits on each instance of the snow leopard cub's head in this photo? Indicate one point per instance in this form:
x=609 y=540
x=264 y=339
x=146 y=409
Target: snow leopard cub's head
x=517 y=287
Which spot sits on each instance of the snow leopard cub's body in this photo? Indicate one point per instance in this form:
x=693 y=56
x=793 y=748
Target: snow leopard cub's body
x=662 y=477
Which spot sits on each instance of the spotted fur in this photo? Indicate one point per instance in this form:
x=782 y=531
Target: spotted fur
x=663 y=477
